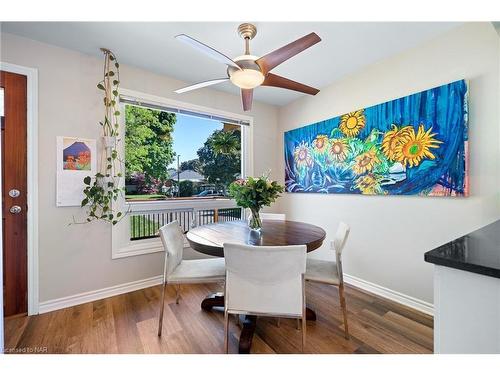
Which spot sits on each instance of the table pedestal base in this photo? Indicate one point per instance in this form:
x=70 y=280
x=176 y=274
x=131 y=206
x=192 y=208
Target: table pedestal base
x=248 y=322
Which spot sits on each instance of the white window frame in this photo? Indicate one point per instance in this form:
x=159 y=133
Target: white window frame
x=121 y=244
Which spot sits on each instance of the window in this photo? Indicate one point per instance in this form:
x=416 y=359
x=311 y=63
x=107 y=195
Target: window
x=177 y=156
x=179 y=160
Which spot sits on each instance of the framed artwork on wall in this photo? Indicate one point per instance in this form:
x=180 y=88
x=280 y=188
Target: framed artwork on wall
x=415 y=145
x=76 y=158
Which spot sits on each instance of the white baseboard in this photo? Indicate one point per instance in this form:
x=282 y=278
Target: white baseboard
x=94 y=295
x=78 y=299
x=414 y=303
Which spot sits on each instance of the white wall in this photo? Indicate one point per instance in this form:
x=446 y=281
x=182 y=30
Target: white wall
x=77 y=258
x=389 y=235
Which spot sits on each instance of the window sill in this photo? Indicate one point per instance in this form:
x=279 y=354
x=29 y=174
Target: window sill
x=141 y=247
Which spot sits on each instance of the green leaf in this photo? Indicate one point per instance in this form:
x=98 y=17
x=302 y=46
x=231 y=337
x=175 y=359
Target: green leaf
x=117 y=113
x=114 y=222
x=85 y=202
x=111 y=57
x=100 y=86
x=115 y=92
x=118 y=214
x=111 y=73
x=87 y=180
x=117 y=65
x=115 y=82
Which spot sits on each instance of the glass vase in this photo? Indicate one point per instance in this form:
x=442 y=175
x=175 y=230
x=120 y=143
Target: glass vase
x=254 y=221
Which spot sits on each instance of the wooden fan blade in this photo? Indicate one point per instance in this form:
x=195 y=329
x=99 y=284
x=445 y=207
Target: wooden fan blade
x=209 y=51
x=246 y=98
x=199 y=85
x=273 y=59
x=285 y=83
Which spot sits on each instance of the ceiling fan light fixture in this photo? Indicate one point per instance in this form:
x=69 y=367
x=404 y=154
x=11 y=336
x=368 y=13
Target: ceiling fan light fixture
x=247 y=78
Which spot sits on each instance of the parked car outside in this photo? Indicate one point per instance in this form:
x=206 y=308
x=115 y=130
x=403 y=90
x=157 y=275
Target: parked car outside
x=210 y=193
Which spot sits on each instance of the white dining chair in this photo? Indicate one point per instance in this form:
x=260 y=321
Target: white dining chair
x=265 y=281
x=177 y=271
x=329 y=272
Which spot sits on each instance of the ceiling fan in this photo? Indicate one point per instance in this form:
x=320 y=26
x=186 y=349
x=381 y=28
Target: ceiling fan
x=248 y=71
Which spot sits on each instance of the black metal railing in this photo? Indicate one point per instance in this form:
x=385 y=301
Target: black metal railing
x=143 y=226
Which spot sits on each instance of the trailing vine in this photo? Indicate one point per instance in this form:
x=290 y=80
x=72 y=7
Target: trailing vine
x=103 y=189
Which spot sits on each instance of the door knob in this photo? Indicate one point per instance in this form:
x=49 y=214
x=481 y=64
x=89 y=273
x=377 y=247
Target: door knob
x=14 y=193
x=15 y=210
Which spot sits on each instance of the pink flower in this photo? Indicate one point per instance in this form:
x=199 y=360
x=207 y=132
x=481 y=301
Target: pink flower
x=240 y=182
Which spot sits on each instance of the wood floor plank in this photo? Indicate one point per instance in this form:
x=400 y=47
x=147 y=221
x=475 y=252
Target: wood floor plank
x=415 y=331
x=127 y=335
x=128 y=323
x=397 y=333
x=103 y=328
x=14 y=328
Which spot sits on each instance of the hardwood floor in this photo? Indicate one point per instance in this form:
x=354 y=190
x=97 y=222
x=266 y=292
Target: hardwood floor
x=128 y=324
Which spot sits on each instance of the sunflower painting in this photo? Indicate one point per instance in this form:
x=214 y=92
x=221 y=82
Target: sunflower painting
x=416 y=145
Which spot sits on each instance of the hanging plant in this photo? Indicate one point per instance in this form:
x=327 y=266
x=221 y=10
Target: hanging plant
x=102 y=190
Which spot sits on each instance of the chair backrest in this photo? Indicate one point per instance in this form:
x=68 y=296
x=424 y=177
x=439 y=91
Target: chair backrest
x=265 y=279
x=173 y=242
x=269 y=216
x=341 y=237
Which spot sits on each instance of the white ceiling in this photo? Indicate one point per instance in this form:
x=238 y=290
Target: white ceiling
x=345 y=47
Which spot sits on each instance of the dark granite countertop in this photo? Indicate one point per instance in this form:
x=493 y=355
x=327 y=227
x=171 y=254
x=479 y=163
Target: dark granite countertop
x=477 y=252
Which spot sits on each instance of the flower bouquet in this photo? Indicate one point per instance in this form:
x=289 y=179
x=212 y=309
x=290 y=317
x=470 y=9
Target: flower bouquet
x=255 y=193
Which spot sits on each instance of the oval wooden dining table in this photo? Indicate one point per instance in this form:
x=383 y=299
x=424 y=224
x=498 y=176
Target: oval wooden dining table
x=209 y=239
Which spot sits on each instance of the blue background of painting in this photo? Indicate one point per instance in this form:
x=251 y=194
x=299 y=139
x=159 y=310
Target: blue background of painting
x=444 y=108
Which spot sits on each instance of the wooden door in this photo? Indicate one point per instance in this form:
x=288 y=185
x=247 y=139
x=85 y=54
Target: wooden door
x=14 y=194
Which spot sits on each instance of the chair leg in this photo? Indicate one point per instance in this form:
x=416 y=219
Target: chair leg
x=297 y=321
x=226 y=332
x=278 y=322
x=344 y=310
x=177 y=293
x=162 y=307
x=304 y=321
